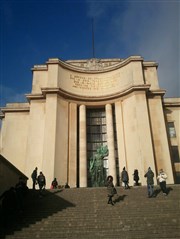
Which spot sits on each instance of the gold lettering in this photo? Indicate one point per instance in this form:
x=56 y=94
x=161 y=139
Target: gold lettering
x=94 y=82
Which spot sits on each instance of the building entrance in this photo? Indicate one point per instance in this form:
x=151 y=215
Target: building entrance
x=97 y=150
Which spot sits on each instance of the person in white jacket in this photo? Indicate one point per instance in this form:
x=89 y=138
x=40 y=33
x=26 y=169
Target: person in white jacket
x=162 y=176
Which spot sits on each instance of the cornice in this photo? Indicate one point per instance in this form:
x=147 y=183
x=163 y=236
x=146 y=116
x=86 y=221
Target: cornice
x=80 y=98
x=150 y=64
x=13 y=109
x=158 y=92
x=74 y=68
x=39 y=68
x=34 y=96
x=1 y=115
x=69 y=66
x=171 y=102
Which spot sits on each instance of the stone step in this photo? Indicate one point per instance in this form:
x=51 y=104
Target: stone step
x=101 y=235
x=84 y=213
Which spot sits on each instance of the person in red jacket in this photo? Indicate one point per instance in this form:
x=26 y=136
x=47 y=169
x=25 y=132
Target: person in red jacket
x=54 y=184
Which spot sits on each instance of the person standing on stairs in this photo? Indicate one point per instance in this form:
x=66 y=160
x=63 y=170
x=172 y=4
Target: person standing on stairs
x=34 y=177
x=162 y=176
x=54 y=184
x=136 y=177
x=111 y=190
x=125 y=178
x=41 y=181
x=150 y=182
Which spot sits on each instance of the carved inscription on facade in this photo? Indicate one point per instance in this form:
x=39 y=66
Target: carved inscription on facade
x=94 y=82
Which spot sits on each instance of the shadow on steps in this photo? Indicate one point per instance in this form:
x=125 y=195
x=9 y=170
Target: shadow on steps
x=36 y=207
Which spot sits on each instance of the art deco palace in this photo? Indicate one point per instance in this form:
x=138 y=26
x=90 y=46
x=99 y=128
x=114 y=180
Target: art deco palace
x=76 y=106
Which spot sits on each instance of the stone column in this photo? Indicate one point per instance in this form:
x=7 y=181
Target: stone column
x=49 y=138
x=61 y=142
x=35 y=139
x=120 y=136
x=138 y=138
x=82 y=147
x=159 y=137
x=110 y=141
x=72 y=145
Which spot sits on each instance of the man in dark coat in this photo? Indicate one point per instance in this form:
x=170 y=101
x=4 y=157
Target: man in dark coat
x=34 y=177
x=111 y=190
x=41 y=181
x=150 y=182
x=125 y=178
x=136 y=177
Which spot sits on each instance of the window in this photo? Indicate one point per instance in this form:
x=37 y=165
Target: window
x=171 y=129
x=96 y=128
x=175 y=154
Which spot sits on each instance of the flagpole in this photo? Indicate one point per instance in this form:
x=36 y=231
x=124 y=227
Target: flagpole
x=93 y=38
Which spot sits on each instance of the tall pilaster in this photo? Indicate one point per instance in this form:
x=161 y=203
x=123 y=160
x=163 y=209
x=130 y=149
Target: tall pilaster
x=159 y=137
x=110 y=141
x=120 y=136
x=82 y=147
x=72 y=174
x=49 y=137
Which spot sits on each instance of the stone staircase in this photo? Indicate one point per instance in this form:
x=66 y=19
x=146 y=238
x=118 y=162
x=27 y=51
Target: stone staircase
x=83 y=213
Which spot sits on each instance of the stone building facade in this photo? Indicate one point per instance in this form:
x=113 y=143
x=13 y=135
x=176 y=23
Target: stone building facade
x=76 y=106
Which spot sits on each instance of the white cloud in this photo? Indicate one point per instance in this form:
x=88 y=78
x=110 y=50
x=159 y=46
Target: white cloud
x=157 y=35
x=147 y=28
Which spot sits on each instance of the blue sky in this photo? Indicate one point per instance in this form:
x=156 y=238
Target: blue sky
x=34 y=31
